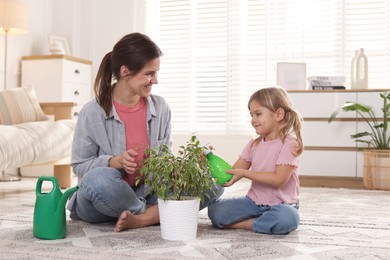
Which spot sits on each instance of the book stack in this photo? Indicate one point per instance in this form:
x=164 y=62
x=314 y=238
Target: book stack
x=326 y=82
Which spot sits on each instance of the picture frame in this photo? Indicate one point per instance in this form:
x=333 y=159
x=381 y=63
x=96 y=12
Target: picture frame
x=291 y=76
x=59 y=44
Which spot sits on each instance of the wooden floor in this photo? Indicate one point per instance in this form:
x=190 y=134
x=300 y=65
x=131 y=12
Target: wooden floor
x=332 y=182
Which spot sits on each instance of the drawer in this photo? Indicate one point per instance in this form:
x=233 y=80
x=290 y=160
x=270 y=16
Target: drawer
x=335 y=134
x=76 y=93
x=373 y=100
x=77 y=72
x=321 y=104
x=76 y=111
x=328 y=163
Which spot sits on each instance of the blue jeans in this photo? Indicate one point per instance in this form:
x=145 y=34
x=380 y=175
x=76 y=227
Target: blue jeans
x=278 y=219
x=103 y=195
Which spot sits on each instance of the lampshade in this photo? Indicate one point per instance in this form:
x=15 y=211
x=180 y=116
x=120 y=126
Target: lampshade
x=13 y=16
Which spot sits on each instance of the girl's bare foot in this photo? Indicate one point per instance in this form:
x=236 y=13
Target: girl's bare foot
x=246 y=224
x=127 y=220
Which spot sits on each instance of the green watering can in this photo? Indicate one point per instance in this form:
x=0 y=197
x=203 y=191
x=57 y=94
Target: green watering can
x=49 y=212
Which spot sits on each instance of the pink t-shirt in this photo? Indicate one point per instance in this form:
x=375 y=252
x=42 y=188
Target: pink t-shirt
x=134 y=120
x=264 y=157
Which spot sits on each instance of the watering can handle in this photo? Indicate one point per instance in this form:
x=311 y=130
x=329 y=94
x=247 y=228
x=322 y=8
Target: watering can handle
x=46 y=178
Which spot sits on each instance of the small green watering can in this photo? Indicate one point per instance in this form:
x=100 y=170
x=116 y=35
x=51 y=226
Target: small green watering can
x=49 y=212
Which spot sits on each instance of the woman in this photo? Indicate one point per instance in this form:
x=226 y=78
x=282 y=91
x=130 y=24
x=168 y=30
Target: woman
x=112 y=133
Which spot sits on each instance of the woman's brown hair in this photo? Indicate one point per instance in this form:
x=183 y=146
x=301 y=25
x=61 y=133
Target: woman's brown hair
x=133 y=51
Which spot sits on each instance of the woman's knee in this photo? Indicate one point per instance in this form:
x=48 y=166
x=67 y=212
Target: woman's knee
x=97 y=181
x=100 y=176
x=211 y=195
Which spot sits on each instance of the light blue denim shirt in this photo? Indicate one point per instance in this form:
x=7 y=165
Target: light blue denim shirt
x=99 y=137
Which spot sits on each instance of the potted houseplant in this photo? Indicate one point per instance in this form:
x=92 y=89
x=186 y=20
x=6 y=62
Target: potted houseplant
x=180 y=180
x=377 y=156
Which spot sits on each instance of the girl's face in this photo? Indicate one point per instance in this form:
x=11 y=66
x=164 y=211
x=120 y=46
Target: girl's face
x=265 y=122
x=141 y=83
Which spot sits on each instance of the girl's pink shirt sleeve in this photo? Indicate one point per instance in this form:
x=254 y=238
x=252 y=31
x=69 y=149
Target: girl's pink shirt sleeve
x=264 y=157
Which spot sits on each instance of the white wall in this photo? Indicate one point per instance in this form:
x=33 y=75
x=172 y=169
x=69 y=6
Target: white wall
x=109 y=23
x=92 y=28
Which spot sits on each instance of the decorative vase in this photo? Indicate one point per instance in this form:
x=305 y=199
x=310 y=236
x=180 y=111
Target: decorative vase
x=353 y=70
x=179 y=218
x=361 y=70
x=376 y=173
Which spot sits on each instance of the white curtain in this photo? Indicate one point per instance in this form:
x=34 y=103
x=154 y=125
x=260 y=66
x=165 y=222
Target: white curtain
x=218 y=52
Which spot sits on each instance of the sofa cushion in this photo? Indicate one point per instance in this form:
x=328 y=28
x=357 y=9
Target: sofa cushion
x=15 y=147
x=19 y=105
x=51 y=140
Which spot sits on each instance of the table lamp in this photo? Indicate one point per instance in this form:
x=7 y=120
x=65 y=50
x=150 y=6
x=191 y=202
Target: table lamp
x=13 y=20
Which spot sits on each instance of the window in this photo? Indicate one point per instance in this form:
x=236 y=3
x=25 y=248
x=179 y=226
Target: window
x=218 y=52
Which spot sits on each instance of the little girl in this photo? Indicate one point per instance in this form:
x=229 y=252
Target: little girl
x=271 y=162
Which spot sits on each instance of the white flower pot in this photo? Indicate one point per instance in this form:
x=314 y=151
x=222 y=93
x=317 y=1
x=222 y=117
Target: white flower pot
x=179 y=218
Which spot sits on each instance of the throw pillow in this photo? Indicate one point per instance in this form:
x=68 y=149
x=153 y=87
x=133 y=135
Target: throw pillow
x=19 y=105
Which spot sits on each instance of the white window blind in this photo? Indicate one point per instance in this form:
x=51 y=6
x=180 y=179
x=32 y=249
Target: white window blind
x=218 y=52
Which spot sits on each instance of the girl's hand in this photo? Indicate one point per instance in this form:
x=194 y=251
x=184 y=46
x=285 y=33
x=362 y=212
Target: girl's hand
x=237 y=175
x=127 y=161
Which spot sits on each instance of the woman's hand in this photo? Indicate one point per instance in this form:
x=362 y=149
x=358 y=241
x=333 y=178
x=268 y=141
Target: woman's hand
x=128 y=162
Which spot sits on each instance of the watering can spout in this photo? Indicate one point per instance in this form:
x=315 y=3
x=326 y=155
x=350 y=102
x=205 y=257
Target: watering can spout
x=64 y=198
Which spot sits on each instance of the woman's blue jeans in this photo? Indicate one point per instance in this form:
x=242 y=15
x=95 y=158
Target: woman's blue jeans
x=103 y=195
x=278 y=219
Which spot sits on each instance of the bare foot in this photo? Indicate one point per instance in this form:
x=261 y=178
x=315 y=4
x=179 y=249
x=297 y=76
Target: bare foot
x=127 y=220
x=246 y=224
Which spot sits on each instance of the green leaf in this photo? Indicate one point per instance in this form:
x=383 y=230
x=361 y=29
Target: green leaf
x=379 y=130
x=350 y=106
x=362 y=134
x=170 y=175
x=333 y=116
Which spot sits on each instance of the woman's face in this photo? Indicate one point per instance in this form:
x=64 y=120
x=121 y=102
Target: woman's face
x=141 y=83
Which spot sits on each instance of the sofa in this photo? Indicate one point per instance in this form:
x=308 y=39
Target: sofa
x=34 y=134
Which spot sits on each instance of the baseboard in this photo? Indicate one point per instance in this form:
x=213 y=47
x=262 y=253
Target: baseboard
x=332 y=182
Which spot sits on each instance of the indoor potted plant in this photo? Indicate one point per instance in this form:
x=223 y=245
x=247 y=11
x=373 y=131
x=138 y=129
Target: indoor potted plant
x=180 y=180
x=377 y=156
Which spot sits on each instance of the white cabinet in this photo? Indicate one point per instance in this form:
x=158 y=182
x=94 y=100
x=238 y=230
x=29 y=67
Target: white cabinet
x=59 y=78
x=329 y=149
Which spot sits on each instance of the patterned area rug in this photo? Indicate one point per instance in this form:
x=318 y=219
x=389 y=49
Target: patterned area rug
x=335 y=224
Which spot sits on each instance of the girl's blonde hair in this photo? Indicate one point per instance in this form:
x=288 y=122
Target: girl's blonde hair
x=274 y=98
